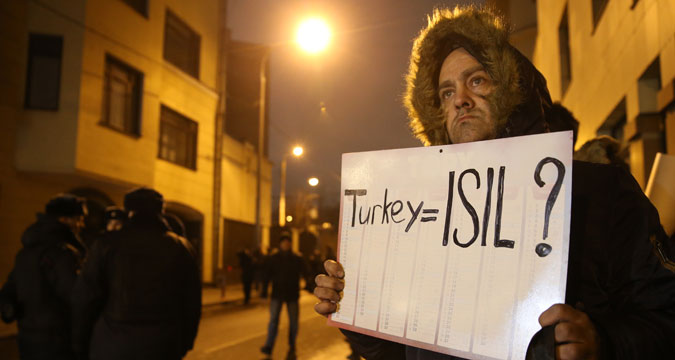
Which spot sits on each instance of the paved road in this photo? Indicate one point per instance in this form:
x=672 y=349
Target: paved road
x=238 y=332
x=235 y=331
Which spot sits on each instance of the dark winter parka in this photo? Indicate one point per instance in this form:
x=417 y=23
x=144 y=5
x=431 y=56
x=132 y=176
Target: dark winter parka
x=285 y=269
x=615 y=274
x=39 y=287
x=139 y=294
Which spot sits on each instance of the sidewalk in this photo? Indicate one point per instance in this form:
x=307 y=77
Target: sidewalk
x=211 y=295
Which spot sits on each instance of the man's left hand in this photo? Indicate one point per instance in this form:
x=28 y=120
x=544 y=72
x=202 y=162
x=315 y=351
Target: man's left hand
x=575 y=334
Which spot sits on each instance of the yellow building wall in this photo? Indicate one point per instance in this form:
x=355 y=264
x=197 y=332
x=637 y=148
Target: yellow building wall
x=40 y=132
x=238 y=200
x=607 y=62
x=67 y=149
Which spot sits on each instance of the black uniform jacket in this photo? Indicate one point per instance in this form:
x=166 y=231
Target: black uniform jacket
x=38 y=289
x=139 y=294
x=285 y=270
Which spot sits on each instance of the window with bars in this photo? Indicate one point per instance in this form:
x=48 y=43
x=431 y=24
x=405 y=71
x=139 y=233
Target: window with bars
x=122 y=89
x=181 y=45
x=43 y=80
x=177 y=139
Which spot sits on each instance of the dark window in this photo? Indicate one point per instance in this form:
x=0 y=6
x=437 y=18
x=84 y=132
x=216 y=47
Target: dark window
x=649 y=85
x=565 y=59
x=177 y=139
x=598 y=9
x=615 y=122
x=43 y=80
x=141 y=6
x=181 y=45
x=122 y=90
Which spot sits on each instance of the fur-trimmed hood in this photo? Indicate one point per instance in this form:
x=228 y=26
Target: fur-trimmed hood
x=520 y=99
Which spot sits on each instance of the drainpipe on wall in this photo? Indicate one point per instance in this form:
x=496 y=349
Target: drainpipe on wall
x=221 y=88
x=261 y=143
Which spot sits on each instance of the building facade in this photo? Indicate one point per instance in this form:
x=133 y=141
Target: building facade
x=101 y=96
x=612 y=63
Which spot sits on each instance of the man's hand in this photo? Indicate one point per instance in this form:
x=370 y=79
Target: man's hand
x=329 y=288
x=575 y=334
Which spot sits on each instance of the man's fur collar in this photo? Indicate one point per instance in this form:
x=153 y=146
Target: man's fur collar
x=485 y=36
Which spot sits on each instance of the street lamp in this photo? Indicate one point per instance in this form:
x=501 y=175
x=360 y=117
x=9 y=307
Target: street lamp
x=313 y=35
x=297 y=152
x=313 y=181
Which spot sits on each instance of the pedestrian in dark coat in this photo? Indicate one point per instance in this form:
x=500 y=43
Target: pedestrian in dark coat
x=285 y=269
x=139 y=293
x=467 y=83
x=247 y=273
x=37 y=292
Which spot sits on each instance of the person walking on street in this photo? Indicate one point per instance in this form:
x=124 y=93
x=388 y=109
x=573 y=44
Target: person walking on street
x=247 y=272
x=37 y=292
x=285 y=269
x=139 y=293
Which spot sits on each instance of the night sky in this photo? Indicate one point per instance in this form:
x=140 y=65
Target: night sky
x=359 y=79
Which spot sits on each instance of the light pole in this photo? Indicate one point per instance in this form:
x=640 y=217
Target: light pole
x=262 y=113
x=297 y=152
x=313 y=36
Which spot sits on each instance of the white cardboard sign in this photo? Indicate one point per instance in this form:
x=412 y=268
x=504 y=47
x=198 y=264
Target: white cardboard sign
x=452 y=248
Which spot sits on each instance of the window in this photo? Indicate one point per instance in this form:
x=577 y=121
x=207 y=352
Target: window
x=565 y=59
x=43 y=79
x=615 y=122
x=598 y=9
x=649 y=85
x=141 y=6
x=122 y=90
x=177 y=139
x=181 y=45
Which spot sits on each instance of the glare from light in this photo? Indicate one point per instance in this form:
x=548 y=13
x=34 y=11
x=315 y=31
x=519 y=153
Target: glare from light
x=326 y=225
x=297 y=151
x=313 y=181
x=289 y=218
x=313 y=35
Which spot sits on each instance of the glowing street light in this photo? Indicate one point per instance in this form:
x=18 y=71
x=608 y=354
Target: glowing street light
x=313 y=181
x=313 y=35
x=297 y=152
x=289 y=218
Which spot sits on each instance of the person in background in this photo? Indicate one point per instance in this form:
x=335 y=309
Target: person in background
x=139 y=293
x=37 y=291
x=247 y=272
x=285 y=269
x=114 y=218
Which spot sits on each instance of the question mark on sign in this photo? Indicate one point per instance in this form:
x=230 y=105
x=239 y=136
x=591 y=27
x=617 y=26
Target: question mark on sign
x=543 y=249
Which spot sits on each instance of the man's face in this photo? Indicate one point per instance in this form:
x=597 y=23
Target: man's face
x=113 y=225
x=285 y=245
x=463 y=87
x=76 y=223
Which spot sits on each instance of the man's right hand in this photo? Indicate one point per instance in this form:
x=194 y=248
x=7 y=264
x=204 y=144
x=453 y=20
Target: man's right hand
x=329 y=288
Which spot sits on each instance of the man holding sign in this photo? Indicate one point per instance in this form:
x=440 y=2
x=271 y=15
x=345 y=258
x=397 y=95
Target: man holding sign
x=467 y=83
